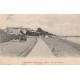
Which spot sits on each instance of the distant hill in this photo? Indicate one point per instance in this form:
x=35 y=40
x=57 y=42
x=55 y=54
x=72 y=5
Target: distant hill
x=39 y=32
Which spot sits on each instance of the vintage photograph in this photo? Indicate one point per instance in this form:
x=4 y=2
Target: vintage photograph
x=39 y=38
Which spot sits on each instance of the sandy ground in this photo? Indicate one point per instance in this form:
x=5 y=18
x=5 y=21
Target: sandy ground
x=17 y=48
x=45 y=47
x=40 y=50
x=63 y=48
x=42 y=54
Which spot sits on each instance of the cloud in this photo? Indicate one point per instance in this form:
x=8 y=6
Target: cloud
x=66 y=29
x=63 y=24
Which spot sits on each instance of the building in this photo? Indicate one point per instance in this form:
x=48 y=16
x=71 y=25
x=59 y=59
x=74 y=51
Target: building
x=14 y=30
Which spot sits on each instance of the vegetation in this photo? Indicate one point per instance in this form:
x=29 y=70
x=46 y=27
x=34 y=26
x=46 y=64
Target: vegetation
x=38 y=32
x=4 y=37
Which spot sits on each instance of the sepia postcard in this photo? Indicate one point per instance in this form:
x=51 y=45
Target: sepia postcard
x=42 y=39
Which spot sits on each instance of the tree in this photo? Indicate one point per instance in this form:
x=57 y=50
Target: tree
x=39 y=30
x=28 y=33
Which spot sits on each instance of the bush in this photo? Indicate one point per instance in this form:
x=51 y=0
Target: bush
x=4 y=37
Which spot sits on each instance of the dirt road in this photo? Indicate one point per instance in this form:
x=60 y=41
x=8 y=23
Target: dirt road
x=17 y=48
x=26 y=49
x=40 y=50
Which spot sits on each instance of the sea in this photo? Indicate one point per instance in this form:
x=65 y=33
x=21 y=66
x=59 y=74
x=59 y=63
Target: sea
x=73 y=39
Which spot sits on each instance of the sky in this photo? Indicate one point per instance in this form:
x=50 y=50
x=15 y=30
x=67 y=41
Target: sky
x=59 y=24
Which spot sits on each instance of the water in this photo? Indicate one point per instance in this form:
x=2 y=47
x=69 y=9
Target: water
x=73 y=39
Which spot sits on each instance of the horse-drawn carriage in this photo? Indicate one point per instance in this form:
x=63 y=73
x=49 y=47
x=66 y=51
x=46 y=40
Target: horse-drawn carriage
x=22 y=36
